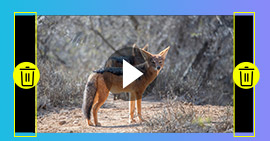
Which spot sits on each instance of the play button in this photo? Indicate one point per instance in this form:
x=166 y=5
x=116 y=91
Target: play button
x=123 y=69
x=130 y=73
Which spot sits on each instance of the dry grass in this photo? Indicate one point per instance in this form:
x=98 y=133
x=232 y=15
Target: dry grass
x=58 y=86
x=186 y=118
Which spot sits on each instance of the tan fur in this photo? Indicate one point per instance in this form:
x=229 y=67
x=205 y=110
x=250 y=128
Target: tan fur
x=145 y=47
x=136 y=88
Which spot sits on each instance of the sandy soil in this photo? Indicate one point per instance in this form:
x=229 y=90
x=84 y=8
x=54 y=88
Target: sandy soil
x=113 y=116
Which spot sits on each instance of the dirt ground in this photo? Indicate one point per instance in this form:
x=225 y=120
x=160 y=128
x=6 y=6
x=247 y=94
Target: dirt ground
x=113 y=116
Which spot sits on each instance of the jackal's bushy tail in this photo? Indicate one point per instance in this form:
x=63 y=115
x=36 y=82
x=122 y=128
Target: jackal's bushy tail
x=89 y=95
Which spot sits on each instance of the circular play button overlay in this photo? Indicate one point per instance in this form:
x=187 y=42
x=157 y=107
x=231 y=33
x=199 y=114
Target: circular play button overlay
x=130 y=69
x=122 y=68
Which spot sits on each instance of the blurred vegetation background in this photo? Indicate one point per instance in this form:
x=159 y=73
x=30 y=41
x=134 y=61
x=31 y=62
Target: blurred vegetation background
x=198 y=68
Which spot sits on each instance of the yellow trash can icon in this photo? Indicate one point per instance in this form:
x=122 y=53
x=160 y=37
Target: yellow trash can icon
x=27 y=76
x=246 y=76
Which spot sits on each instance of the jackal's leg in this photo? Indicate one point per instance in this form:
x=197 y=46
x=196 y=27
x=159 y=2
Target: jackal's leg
x=139 y=106
x=89 y=123
x=94 y=103
x=101 y=101
x=132 y=97
x=102 y=93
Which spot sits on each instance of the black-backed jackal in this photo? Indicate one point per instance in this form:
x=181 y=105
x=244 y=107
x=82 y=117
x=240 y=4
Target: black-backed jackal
x=97 y=90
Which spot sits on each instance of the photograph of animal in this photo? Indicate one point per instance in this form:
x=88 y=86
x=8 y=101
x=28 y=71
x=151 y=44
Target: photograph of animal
x=185 y=88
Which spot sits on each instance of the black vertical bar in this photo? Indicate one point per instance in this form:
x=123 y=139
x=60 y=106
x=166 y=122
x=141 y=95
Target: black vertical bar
x=33 y=76
x=243 y=53
x=24 y=52
x=251 y=78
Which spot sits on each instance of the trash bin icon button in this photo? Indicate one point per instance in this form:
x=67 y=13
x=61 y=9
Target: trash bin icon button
x=27 y=76
x=246 y=76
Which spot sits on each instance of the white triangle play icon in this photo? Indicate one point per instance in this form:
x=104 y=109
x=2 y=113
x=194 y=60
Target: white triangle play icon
x=130 y=73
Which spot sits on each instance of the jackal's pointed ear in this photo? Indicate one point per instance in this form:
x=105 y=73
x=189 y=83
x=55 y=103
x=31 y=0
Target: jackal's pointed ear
x=164 y=52
x=134 y=47
x=145 y=54
x=145 y=47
